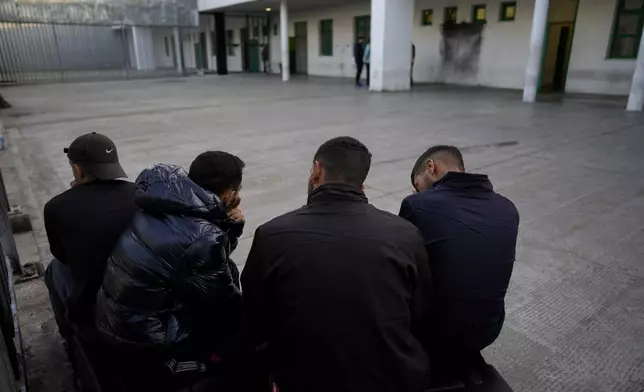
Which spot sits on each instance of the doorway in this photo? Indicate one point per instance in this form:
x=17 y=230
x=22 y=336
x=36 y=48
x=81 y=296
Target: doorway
x=201 y=56
x=557 y=56
x=558 y=41
x=244 y=49
x=198 y=57
x=253 y=55
x=301 y=48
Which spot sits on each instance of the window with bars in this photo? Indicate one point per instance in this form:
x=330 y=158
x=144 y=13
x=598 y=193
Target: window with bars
x=362 y=27
x=167 y=47
x=451 y=14
x=508 y=11
x=627 y=29
x=479 y=13
x=428 y=18
x=326 y=37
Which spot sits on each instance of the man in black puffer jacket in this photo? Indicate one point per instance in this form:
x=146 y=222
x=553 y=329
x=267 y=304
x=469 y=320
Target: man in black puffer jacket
x=170 y=296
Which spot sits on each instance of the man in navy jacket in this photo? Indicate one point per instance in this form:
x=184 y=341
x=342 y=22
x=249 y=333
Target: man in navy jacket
x=470 y=234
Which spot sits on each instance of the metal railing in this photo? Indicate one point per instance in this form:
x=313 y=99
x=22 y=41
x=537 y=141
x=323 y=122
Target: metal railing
x=11 y=341
x=8 y=325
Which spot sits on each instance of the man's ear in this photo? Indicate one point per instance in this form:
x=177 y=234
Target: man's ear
x=317 y=176
x=79 y=173
x=430 y=165
x=362 y=188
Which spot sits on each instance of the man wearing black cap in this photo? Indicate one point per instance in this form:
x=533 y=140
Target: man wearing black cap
x=83 y=225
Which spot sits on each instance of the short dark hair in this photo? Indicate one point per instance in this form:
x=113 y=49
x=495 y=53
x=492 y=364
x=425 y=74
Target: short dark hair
x=447 y=154
x=345 y=160
x=217 y=171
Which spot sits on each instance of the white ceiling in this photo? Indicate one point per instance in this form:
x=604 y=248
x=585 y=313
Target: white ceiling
x=259 y=6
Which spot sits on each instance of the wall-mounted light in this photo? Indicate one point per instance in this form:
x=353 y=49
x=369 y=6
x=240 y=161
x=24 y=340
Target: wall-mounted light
x=269 y=9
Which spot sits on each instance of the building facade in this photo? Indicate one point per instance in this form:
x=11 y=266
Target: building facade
x=573 y=46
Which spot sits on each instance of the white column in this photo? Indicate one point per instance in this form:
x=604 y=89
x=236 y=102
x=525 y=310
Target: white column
x=143 y=48
x=636 y=97
x=391 y=40
x=537 y=37
x=136 y=60
x=176 y=35
x=209 y=54
x=286 y=67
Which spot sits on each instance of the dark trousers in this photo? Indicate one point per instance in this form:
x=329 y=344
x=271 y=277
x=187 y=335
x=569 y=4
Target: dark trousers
x=368 y=66
x=267 y=66
x=359 y=66
x=60 y=284
x=411 y=74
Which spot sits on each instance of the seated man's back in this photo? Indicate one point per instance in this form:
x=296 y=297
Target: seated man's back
x=169 y=290
x=83 y=225
x=336 y=289
x=470 y=235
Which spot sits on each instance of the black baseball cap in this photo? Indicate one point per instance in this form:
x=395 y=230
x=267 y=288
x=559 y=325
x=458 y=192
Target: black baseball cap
x=97 y=154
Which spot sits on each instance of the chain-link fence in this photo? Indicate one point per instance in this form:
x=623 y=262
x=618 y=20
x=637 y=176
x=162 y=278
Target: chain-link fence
x=49 y=52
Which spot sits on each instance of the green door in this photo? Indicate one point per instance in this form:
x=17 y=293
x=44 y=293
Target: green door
x=362 y=27
x=244 y=46
x=198 y=57
x=253 y=55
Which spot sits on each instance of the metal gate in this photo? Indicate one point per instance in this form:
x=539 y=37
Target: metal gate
x=46 y=52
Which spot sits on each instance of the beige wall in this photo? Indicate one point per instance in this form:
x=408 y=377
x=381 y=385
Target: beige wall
x=504 y=49
x=590 y=71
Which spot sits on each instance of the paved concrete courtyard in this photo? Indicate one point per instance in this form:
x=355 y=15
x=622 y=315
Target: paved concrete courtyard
x=575 y=308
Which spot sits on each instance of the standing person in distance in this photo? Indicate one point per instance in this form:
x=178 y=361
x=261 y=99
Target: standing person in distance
x=367 y=61
x=266 y=58
x=83 y=224
x=413 y=60
x=170 y=298
x=358 y=57
x=470 y=234
x=338 y=290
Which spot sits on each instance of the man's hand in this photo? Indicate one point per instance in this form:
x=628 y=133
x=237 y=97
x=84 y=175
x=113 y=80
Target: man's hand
x=236 y=215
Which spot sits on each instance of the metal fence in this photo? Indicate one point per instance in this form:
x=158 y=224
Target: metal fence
x=8 y=323
x=48 y=52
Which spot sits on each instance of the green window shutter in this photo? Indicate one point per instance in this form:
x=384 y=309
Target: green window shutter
x=627 y=29
x=479 y=13
x=508 y=11
x=326 y=37
x=362 y=27
x=451 y=15
x=427 y=18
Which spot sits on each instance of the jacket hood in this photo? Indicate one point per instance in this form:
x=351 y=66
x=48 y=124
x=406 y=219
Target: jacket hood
x=167 y=189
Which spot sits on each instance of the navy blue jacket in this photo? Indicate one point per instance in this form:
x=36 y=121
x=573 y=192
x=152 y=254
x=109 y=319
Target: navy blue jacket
x=170 y=285
x=358 y=52
x=470 y=234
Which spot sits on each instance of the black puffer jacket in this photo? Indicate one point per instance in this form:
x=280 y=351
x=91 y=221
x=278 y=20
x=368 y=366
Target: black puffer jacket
x=169 y=284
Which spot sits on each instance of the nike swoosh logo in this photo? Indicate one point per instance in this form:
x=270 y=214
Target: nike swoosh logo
x=109 y=151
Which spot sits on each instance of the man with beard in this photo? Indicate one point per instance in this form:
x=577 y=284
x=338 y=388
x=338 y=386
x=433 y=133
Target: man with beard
x=337 y=290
